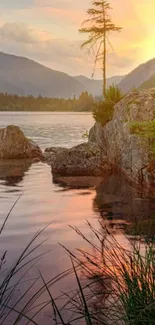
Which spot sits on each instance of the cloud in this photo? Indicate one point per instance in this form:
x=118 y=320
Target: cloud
x=62 y=4
x=13 y=4
x=22 y=33
x=57 y=53
x=50 y=34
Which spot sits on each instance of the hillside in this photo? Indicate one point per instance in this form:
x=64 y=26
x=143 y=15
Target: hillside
x=138 y=76
x=150 y=83
x=21 y=76
x=95 y=86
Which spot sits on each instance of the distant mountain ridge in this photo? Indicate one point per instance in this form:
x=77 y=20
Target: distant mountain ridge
x=150 y=83
x=138 y=76
x=94 y=86
x=22 y=76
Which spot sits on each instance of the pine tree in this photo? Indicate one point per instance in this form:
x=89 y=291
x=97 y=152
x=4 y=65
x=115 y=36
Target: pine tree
x=98 y=26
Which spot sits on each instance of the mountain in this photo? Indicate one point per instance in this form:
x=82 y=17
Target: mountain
x=138 y=76
x=21 y=76
x=150 y=83
x=95 y=86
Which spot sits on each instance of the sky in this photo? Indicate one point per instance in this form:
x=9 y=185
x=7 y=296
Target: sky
x=47 y=31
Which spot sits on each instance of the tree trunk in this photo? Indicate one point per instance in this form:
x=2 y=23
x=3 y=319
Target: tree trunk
x=104 y=65
x=104 y=54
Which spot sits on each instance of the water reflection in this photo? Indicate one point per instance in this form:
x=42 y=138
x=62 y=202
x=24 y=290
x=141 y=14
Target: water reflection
x=79 y=182
x=117 y=202
x=12 y=172
x=123 y=206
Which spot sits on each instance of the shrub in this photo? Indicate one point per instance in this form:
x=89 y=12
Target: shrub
x=113 y=94
x=103 y=112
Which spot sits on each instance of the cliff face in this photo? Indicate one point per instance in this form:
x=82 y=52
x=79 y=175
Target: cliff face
x=129 y=152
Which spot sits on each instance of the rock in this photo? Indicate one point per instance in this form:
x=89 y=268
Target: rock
x=83 y=160
x=49 y=157
x=14 y=145
x=51 y=153
x=55 y=150
x=130 y=153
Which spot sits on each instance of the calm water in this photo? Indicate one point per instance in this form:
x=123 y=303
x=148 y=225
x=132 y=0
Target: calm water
x=61 y=202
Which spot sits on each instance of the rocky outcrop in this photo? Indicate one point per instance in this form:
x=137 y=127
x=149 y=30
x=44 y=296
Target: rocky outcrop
x=51 y=153
x=129 y=152
x=85 y=159
x=14 y=145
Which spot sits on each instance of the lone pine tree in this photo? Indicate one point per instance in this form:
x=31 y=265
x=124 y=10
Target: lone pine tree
x=98 y=26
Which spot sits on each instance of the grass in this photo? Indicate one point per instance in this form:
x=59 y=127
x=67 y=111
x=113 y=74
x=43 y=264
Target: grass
x=115 y=285
x=18 y=305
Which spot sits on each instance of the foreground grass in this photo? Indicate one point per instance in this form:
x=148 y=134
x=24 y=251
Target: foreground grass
x=115 y=285
x=22 y=299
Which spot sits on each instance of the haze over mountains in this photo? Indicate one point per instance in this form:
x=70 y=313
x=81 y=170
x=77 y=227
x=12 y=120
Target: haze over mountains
x=150 y=83
x=95 y=86
x=22 y=76
x=138 y=76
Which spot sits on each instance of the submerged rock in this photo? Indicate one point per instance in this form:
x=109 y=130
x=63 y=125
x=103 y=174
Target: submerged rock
x=14 y=145
x=85 y=159
x=127 y=151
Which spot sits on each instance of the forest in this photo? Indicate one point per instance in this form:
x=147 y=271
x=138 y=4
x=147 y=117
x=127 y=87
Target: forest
x=22 y=103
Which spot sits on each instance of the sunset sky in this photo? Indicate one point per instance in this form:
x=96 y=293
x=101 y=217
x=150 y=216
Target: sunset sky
x=47 y=31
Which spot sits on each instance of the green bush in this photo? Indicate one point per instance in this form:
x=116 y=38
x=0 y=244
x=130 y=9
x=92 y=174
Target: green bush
x=103 y=112
x=113 y=94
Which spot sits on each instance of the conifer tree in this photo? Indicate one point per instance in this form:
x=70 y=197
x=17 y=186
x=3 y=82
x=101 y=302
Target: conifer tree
x=98 y=26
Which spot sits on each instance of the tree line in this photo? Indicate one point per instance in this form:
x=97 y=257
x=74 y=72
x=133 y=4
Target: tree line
x=29 y=103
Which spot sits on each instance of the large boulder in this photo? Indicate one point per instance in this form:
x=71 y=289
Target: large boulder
x=83 y=160
x=14 y=145
x=127 y=151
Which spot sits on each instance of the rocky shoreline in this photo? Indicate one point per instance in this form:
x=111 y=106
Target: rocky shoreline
x=129 y=152
x=85 y=159
x=110 y=147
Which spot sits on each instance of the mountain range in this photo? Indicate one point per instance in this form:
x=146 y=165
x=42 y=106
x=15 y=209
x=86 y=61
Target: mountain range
x=150 y=83
x=22 y=76
x=138 y=76
x=94 y=87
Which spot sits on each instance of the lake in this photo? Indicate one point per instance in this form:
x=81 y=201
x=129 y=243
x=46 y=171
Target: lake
x=61 y=202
